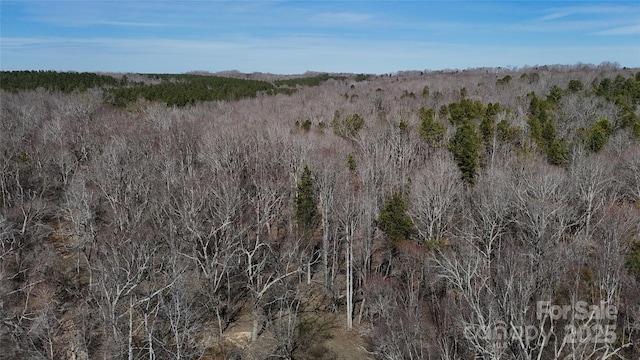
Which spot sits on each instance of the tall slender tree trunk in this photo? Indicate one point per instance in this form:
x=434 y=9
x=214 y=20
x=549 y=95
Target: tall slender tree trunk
x=325 y=247
x=130 y=328
x=349 y=265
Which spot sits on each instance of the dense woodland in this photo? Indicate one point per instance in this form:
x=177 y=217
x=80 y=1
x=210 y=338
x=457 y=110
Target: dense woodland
x=414 y=215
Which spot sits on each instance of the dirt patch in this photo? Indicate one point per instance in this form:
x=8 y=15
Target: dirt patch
x=347 y=344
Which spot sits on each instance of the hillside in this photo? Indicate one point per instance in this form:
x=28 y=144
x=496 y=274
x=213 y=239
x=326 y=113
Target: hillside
x=485 y=213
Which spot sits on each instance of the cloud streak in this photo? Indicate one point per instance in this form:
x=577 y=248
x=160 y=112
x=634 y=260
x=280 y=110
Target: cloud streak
x=343 y=18
x=604 y=19
x=599 y=10
x=624 y=30
x=129 y=23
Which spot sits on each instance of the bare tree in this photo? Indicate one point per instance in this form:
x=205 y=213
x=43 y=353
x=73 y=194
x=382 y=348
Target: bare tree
x=433 y=197
x=630 y=172
x=261 y=255
x=543 y=212
x=469 y=274
x=402 y=325
x=349 y=222
x=592 y=185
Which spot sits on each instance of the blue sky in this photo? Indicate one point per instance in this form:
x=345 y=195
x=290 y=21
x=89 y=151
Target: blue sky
x=295 y=36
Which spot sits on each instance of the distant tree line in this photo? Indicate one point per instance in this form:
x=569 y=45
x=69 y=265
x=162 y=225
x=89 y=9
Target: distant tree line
x=173 y=89
x=65 y=82
x=187 y=90
x=308 y=81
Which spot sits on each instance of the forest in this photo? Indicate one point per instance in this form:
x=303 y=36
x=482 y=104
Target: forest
x=487 y=213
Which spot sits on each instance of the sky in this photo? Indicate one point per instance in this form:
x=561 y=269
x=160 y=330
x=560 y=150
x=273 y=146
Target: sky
x=291 y=37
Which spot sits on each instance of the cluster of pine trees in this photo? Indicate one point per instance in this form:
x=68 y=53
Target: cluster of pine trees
x=65 y=82
x=172 y=89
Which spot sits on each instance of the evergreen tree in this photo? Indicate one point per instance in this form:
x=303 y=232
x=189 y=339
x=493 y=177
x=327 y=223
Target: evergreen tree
x=539 y=108
x=352 y=163
x=575 y=86
x=557 y=152
x=599 y=135
x=431 y=130
x=425 y=91
x=505 y=132
x=306 y=124
x=548 y=134
x=393 y=219
x=465 y=147
x=487 y=130
x=347 y=127
x=305 y=201
x=555 y=95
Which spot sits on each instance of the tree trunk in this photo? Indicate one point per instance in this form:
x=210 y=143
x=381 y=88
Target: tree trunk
x=256 y=327
x=325 y=248
x=349 y=265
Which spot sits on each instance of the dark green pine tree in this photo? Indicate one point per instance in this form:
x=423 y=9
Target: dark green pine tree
x=393 y=219
x=575 y=86
x=465 y=147
x=431 y=131
x=557 y=152
x=487 y=130
x=599 y=135
x=305 y=202
x=555 y=95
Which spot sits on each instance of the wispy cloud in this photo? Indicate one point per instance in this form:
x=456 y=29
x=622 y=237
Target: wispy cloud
x=624 y=30
x=600 y=10
x=601 y=19
x=129 y=23
x=567 y=26
x=555 y=15
x=69 y=14
x=343 y=18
